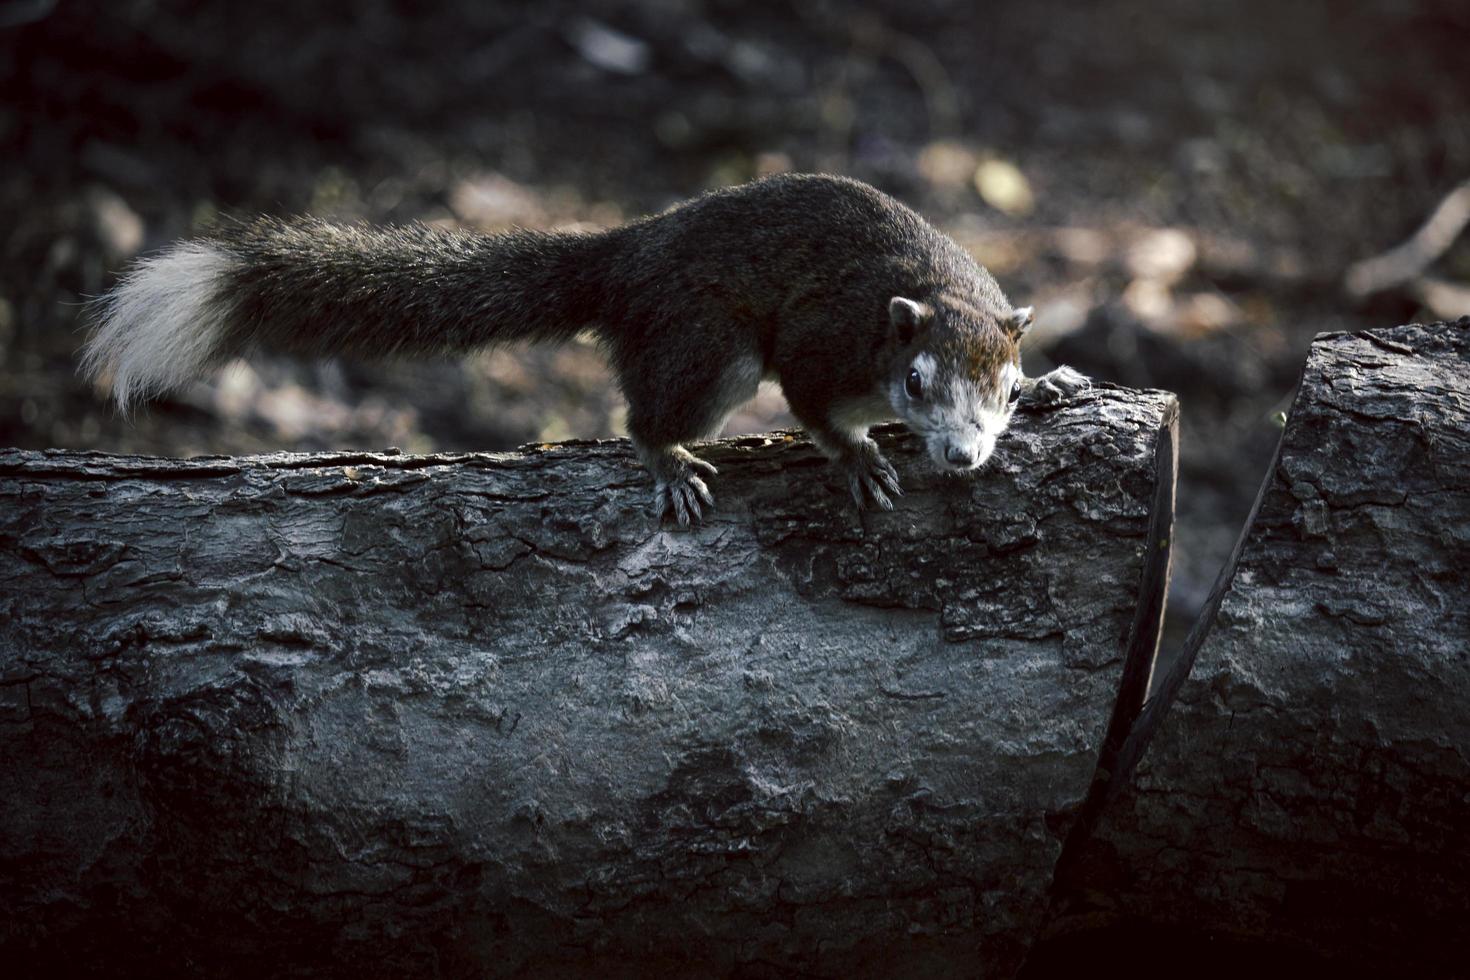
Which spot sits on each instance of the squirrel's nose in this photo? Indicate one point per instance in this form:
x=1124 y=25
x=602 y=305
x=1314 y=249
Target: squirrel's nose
x=958 y=456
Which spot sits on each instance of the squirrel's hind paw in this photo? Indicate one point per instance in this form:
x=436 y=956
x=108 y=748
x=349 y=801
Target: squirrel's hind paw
x=681 y=497
x=677 y=491
x=1056 y=385
x=871 y=477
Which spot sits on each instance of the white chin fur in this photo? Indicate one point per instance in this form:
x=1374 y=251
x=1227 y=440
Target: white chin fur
x=159 y=329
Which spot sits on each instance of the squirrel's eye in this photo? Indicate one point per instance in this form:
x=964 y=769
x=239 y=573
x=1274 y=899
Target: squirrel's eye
x=1015 y=392
x=913 y=385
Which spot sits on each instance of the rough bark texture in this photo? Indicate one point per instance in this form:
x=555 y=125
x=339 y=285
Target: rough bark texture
x=1302 y=779
x=477 y=715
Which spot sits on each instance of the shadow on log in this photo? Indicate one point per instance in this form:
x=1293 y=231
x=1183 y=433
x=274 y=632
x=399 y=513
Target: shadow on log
x=1299 y=788
x=477 y=716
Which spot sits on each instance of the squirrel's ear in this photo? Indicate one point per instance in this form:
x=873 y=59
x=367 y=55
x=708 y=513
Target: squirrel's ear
x=907 y=316
x=1020 y=322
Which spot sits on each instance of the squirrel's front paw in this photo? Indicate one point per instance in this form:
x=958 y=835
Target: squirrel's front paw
x=682 y=492
x=871 y=477
x=1055 y=386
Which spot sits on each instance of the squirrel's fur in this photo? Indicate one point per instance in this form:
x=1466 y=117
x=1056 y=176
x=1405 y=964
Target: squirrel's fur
x=857 y=306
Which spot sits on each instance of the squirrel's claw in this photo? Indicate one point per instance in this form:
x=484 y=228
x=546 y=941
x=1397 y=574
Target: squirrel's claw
x=864 y=488
x=871 y=477
x=708 y=469
x=677 y=491
x=681 y=497
x=1054 y=386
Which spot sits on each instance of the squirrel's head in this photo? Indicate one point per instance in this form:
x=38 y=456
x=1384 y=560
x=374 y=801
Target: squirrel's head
x=956 y=377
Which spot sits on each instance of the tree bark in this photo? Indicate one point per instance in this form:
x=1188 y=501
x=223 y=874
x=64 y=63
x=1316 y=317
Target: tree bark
x=1300 y=784
x=465 y=715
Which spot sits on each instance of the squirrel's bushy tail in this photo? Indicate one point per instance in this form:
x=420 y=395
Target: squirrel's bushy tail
x=315 y=288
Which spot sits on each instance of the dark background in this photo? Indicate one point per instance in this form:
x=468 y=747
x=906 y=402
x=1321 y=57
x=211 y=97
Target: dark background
x=1177 y=185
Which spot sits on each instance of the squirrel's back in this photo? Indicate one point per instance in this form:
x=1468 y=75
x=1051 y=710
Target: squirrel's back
x=791 y=226
x=760 y=249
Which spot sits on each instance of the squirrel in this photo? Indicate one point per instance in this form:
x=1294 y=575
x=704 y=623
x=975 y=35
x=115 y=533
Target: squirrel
x=860 y=309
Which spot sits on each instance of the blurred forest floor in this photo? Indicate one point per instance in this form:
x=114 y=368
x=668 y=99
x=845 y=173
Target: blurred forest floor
x=1178 y=186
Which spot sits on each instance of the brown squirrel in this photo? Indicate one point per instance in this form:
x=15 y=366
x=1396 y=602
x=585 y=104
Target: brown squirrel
x=859 y=308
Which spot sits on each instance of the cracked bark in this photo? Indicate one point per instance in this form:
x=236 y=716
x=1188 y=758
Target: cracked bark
x=476 y=715
x=1299 y=783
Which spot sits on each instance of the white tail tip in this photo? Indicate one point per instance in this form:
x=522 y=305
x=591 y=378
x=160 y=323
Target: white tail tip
x=162 y=326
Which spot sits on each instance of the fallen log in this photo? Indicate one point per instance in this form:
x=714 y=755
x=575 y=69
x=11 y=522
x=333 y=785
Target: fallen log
x=1299 y=785
x=477 y=715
